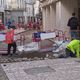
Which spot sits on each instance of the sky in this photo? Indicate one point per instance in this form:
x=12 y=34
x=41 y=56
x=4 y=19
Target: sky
x=35 y=6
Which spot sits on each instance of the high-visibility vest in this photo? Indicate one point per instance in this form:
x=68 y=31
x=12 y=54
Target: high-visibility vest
x=10 y=37
x=74 y=46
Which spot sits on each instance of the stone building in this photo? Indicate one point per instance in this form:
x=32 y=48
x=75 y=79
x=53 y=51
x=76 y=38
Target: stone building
x=57 y=12
x=19 y=10
x=14 y=11
x=2 y=3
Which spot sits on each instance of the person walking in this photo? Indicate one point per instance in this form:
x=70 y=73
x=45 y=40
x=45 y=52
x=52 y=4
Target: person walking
x=73 y=24
x=10 y=40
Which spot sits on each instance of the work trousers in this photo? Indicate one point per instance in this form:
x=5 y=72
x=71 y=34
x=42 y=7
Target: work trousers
x=9 y=48
x=70 y=53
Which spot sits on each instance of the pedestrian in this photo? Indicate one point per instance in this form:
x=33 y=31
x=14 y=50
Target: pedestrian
x=73 y=25
x=37 y=25
x=73 y=48
x=10 y=40
x=2 y=27
x=30 y=25
x=8 y=23
x=13 y=25
x=34 y=25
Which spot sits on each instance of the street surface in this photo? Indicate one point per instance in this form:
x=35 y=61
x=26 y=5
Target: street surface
x=18 y=67
x=48 y=69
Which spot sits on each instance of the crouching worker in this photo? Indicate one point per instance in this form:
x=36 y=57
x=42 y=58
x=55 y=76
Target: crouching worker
x=10 y=41
x=73 y=49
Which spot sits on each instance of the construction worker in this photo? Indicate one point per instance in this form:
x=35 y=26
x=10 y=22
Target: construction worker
x=73 y=48
x=10 y=40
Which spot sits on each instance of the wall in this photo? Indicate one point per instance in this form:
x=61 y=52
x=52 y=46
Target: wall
x=67 y=8
x=53 y=16
x=2 y=2
x=16 y=14
x=28 y=12
x=59 y=13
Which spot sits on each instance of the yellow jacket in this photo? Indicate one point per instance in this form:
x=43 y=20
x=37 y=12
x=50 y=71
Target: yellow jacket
x=74 y=46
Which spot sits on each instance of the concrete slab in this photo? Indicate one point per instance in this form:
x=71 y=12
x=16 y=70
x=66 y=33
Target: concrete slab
x=55 y=69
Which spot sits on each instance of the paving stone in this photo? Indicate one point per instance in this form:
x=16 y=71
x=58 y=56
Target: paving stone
x=37 y=70
x=3 y=74
x=50 y=69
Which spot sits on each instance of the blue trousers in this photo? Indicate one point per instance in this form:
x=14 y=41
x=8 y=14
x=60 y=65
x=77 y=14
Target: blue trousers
x=70 y=53
x=74 y=34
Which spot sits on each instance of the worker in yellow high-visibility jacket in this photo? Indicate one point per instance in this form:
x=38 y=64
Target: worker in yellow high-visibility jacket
x=73 y=48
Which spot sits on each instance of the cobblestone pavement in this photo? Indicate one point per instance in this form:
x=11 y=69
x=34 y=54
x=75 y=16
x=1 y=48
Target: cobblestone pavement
x=31 y=56
x=18 y=67
x=49 y=69
x=3 y=74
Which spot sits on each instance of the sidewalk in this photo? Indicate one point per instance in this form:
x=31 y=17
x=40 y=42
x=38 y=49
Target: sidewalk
x=3 y=74
x=20 y=68
x=55 y=69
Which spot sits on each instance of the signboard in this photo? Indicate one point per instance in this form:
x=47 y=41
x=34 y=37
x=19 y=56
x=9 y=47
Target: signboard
x=2 y=37
x=3 y=45
x=47 y=35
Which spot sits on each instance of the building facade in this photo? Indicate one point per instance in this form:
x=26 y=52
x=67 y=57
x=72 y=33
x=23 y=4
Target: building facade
x=29 y=12
x=57 y=12
x=17 y=10
x=14 y=11
x=2 y=3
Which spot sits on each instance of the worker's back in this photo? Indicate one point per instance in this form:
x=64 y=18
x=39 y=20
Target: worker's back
x=74 y=46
